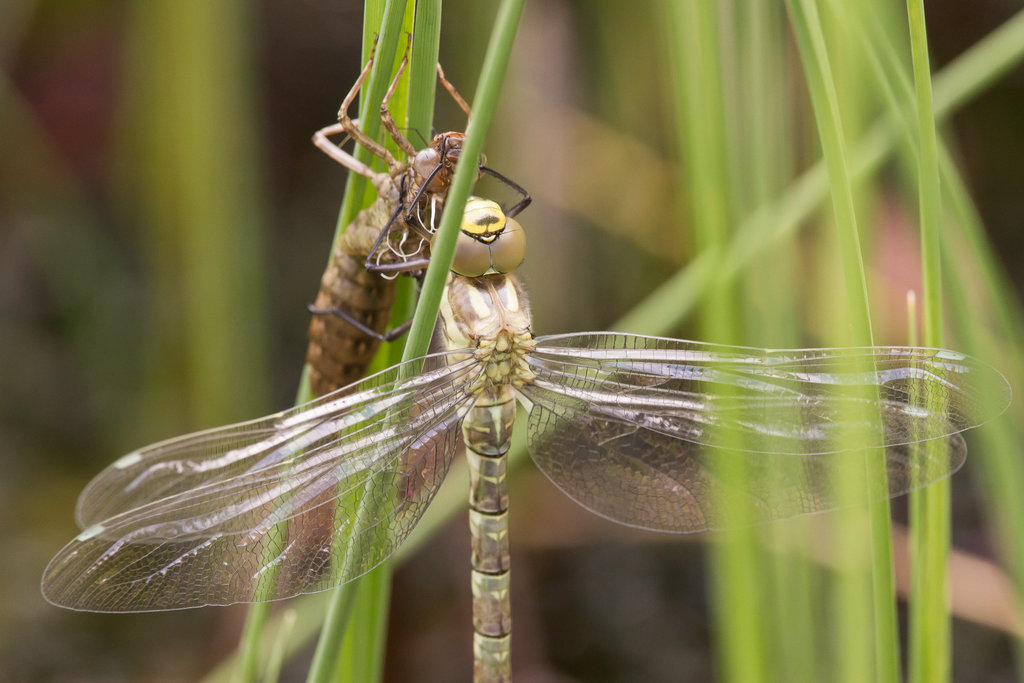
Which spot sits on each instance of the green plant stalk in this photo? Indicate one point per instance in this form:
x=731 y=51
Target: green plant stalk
x=368 y=599
x=807 y=28
x=360 y=657
x=857 y=650
x=1002 y=473
x=423 y=66
x=1003 y=342
x=930 y=656
x=698 y=71
x=370 y=591
x=420 y=117
x=928 y=181
x=929 y=621
x=275 y=660
x=422 y=89
x=252 y=635
x=770 y=299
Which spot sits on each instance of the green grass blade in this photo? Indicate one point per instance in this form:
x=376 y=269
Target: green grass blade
x=371 y=590
x=357 y=667
x=361 y=657
x=419 y=121
x=423 y=65
x=806 y=26
x=866 y=636
x=359 y=611
x=276 y=658
x=929 y=631
x=771 y=299
x=699 y=78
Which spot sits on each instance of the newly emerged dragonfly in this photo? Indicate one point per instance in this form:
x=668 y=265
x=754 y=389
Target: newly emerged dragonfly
x=390 y=237
x=629 y=426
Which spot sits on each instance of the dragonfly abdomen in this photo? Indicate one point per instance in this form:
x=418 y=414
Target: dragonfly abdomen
x=338 y=352
x=487 y=432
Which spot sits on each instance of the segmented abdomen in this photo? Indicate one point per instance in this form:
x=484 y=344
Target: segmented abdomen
x=338 y=352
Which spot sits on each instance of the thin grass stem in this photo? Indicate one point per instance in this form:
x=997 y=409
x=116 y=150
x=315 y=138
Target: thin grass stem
x=275 y=661
x=327 y=658
x=929 y=631
x=700 y=73
x=872 y=635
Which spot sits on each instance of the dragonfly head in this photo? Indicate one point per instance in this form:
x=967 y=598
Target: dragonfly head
x=489 y=241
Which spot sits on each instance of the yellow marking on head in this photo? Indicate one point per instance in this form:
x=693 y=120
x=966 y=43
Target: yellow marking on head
x=482 y=217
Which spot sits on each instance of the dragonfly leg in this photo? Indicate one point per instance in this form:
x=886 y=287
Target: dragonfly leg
x=385 y=113
x=351 y=127
x=410 y=219
x=511 y=213
x=388 y=336
x=523 y=203
x=406 y=265
x=453 y=92
x=411 y=267
x=382 y=235
x=322 y=140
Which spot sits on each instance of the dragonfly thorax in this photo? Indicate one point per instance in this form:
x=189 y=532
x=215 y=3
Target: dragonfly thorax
x=503 y=358
x=491 y=316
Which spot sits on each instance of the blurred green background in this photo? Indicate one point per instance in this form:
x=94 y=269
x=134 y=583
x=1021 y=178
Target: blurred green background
x=164 y=219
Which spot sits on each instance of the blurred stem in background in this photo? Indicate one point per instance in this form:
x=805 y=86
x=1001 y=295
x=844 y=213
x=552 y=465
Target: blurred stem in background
x=771 y=304
x=192 y=150
x=867 y=628
x=351 y=643
x=708 y=134
x=929 y=626
x=193 y=185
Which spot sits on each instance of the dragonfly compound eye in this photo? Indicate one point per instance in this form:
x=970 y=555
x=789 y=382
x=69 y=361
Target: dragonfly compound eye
x=509 y=249
x=472 y=257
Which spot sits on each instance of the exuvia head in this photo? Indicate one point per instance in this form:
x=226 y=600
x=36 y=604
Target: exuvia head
x=434 y=165
x=489 y=241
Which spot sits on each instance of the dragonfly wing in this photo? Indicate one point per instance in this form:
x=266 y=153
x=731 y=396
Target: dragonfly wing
x=332 y=511
x=185 y=462
x=636 y=428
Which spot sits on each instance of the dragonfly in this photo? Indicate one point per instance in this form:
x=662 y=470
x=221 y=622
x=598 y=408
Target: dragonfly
x=644 y=431
x=392 y=236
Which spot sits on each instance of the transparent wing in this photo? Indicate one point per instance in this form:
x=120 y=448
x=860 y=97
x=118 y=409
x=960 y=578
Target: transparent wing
x=204 y=458
x=294 y=503
x=645 y=430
